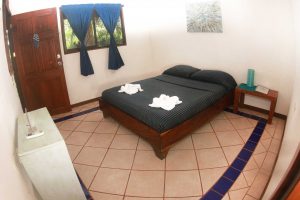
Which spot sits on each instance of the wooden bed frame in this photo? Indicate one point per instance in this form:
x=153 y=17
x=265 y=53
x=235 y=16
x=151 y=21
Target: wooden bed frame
x=162 y=142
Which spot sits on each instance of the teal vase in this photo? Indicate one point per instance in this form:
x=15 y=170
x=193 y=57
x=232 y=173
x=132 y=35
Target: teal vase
x=250 y=78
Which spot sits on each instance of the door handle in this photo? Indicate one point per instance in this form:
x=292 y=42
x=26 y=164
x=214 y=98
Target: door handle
x=59 y=63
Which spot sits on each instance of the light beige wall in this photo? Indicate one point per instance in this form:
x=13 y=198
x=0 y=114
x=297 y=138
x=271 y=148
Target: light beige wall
x=256 y=34
x=291 y=138
x=13 y=183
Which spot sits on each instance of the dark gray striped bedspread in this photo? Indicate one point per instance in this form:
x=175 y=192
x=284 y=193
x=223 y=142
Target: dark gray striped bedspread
x=195 y=97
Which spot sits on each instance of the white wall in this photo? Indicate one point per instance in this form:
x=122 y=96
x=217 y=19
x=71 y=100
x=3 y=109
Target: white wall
x=256 y=34
x=291 y=137
x=13 y=183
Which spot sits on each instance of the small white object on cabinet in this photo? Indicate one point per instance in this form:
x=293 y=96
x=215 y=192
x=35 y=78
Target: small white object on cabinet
x=46 y=159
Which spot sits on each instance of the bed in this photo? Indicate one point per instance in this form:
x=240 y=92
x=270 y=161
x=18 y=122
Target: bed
x=204 y=93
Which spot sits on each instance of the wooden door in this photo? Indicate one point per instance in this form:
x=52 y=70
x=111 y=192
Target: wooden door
x=39 y=67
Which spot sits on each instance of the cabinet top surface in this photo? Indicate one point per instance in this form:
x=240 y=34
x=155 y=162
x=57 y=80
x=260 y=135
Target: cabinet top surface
x=42 y=120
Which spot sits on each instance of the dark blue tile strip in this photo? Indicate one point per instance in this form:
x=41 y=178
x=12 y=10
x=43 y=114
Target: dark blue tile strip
x=221 y=187
x=85 y=190
x=76 y=114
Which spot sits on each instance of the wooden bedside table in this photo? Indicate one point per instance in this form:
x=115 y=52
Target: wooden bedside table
x=239 y=98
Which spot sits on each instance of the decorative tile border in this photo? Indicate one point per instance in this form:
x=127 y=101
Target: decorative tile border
x=222 y=186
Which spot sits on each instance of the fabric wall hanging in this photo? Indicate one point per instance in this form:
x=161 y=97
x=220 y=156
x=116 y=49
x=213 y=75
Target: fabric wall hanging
x=109 y=14
x=79 y=17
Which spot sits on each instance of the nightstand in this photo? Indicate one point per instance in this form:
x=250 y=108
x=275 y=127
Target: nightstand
x=239 y=98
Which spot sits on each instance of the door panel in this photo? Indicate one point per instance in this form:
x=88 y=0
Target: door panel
x=40 y=70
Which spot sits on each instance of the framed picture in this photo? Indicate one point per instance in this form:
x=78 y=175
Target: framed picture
x=204 y=16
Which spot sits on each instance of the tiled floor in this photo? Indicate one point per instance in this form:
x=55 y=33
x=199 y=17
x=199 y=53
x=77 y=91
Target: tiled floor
x=116 y=164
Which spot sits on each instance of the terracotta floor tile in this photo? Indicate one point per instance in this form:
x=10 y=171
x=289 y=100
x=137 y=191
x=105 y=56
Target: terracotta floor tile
x=141 y=198
x=125 y=142
x=94 y=117
x=258 y=186
x=274 y=146
x=121 y=159
x=183 y=198
x=239 y=183
x=181 y=160
x=147 y=160
x=69 y=125
x=73 y=151
x=222 y=125
x=238 y=194
x=107 y=127
x=226 y=197
x=125 y=131
x=103 y=196
x=78 y=138
x=270 y=130
x=241 y=123
x=182 y=184
x=253 y=122
x=278 y=133
x=265 y=135
x=183 y=144
x=86 y=173
x=111 y=181
x=228 y=138
x=90 y=156
x=109 y=119
x=100 y=140
x=205 y=140
x=144 y=145
x=148 y=171
x=247 y=197
x=210 y=176
x=65 y=134
x=206 y=128
x=231 y=152
x=58 y=124
x=146 y=184
x=259 y=149
x=251 y=164
x=250 y=176
x=87 y=126
x=268 y=163
x=210 y=158
x=245 y=134
x=259 y=158
x=221 y=115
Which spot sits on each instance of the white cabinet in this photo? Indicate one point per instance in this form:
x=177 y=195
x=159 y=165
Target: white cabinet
x=46 y=159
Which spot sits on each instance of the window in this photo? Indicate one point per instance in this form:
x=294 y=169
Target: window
x=97 y=36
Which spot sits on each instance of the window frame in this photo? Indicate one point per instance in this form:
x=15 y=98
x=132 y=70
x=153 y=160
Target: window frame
x=75 y=50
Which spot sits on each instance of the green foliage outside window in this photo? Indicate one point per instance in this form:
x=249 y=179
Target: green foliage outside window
x=97 y=35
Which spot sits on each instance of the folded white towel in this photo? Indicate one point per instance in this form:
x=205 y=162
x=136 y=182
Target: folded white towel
x=131 y=88
x=165 y=102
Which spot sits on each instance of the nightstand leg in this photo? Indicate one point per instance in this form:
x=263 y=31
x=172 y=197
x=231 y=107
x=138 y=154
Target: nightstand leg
x=272 y=110
x=236 y=100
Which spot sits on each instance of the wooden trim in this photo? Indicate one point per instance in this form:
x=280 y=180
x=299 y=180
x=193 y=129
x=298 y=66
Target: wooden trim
x=264 y=111
x=287 y=184
x=162 y=142
x=85 y=102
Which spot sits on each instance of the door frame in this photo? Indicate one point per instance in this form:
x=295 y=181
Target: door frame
x=9 y=49
x=290 y=180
